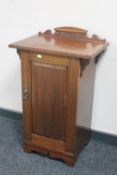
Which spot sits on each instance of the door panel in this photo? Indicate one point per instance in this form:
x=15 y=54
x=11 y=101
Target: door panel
x=49 y=92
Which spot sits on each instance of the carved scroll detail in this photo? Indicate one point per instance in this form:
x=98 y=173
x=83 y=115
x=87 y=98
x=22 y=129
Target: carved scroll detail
x=97 y=38
x=98 y=56
x=83 y=64
x=72 y=33
x=18 y=52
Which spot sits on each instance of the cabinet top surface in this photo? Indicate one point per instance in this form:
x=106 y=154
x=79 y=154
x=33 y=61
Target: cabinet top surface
x=65 y=41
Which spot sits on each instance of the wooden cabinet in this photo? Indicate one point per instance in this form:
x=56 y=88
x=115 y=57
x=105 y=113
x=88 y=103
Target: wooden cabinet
x=53 y=65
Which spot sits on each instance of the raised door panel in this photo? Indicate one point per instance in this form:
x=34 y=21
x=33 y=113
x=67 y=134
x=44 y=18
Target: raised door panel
x=49 y=97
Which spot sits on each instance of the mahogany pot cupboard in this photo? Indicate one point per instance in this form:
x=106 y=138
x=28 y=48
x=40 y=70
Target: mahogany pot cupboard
x=58 y=70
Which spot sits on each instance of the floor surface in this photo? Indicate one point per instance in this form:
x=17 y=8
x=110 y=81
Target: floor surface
x=96 y=159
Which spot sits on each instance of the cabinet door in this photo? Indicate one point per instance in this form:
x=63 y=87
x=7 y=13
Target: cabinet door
x=49 y=76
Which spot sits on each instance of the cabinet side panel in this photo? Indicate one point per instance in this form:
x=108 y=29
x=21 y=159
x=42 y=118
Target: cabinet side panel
x=71 y=134
x=85 y=96
x=49 y=90
x=84 y=106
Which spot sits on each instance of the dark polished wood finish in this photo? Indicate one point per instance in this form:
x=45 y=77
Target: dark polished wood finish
x=58 y=71
x=70 y=44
